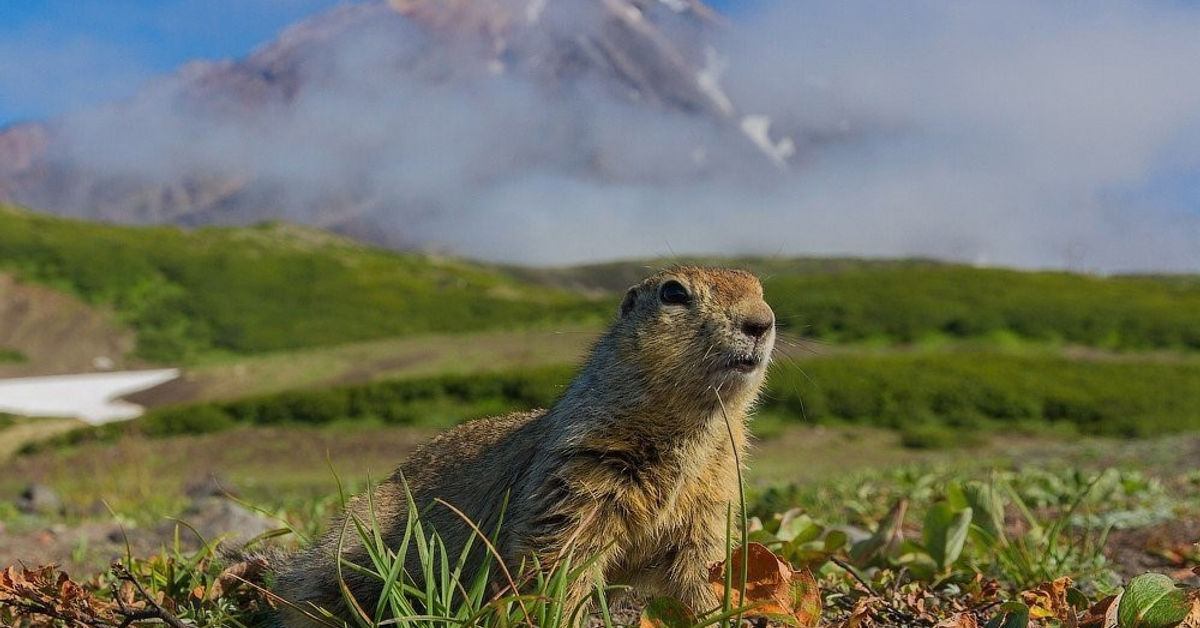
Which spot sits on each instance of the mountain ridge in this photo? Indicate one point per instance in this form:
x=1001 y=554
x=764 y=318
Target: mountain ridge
x=189 y=148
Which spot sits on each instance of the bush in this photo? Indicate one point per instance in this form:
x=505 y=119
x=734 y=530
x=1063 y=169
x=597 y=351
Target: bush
x=978 y=389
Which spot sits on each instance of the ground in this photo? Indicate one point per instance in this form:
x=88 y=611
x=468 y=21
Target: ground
x=110 y=499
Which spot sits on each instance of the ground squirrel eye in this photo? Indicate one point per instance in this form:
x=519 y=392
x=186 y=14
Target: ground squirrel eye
x=673 y=293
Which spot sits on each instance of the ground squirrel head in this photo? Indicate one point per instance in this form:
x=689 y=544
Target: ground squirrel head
x=698 y=328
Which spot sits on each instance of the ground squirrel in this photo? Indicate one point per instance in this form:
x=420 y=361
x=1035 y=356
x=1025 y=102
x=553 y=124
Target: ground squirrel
x=634 y=465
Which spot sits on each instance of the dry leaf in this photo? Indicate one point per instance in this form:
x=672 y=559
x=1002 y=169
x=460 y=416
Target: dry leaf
x=961 y=620
x=1193 y=617
x=771 y=586
x=666 y=612
x=1049 y=600
x=1094 y=617
x=860 y=615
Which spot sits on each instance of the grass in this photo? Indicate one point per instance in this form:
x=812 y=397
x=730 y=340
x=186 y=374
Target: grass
x=270 y=287
x=903 y=301
x=228 y=377
x=935 y=399
x=190 y=294
x=12 y=356
x=1057 y=496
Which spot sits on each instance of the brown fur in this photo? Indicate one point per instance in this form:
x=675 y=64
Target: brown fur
x=634 y=465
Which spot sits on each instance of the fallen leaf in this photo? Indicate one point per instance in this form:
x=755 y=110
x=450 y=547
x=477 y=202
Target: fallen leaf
x=1193 y=617
x=860 y=615
x=771 y=586
x=1049 y=600
x=1094 y=616
x=961 y=620
x=665 y=612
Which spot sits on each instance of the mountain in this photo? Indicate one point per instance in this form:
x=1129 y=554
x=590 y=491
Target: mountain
x=388 y=120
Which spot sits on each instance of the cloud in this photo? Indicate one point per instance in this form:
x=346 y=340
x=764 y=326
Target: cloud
x=1023 y=133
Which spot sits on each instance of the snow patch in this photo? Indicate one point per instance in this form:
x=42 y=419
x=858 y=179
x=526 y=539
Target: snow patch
x=93 y=398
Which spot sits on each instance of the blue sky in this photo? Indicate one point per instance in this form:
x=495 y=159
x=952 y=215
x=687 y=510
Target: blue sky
x=59 y=55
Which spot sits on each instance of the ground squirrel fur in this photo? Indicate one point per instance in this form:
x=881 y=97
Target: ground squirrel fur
x=634 y=464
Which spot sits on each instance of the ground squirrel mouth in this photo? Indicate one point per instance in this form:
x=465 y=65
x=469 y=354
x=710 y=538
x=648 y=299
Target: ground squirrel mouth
x=744 y=363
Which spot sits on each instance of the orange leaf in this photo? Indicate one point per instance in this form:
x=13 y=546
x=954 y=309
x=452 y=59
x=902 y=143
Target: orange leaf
x=771 y=587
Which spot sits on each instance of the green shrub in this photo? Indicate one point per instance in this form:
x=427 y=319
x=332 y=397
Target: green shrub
x=981 y=389
x=907 y=302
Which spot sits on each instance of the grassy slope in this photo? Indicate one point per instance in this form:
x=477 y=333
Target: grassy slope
x=276 y=287
x=907 y=300
x=267 y=288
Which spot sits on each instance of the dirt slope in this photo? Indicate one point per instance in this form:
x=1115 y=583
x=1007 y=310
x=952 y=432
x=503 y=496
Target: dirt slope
x=56 y=333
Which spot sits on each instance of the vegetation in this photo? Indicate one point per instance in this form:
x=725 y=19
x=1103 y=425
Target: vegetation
x=268 y=287
x=11 y=356
x=1016 y=548
x=978 y=389
x=901 y=301
x=905 y=304
x=278 y=286
x=923 y=395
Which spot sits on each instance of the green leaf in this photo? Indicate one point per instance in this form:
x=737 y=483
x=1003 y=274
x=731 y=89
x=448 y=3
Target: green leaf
x=1152 y=600
x=886 y=539
x=1010 y=615
x=835 y=540
x=791 y=523
x=945 y=533
x=985 y=501
x=666 y=612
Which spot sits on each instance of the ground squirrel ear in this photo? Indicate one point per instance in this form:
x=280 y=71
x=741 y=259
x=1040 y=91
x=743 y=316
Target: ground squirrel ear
x=629 y=301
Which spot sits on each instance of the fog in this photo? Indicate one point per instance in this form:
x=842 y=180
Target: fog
x=1030 y=134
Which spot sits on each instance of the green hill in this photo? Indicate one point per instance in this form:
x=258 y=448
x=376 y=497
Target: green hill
x=276 y=286
x=269 y=287
x=902 y=301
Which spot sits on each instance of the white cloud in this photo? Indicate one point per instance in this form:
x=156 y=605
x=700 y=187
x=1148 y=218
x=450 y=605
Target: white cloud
x=1019 y=133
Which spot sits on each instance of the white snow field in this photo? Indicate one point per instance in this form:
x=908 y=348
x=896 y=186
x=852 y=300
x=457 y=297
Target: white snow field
x=92 y=397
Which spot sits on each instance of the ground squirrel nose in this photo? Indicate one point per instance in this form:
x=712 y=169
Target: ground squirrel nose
x=757 y=326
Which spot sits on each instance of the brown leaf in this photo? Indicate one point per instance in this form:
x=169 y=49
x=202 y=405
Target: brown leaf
x=1193 y=617
x=771 y=586
x=961 y=620
x=666 y=612
x=806 y=598
x=860 y=615
x=1094 y=616
x=1049 y=600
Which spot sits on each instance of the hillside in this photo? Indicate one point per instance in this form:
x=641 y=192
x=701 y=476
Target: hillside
x=191 y=293
x=266 y=288
x=904 y=301
x=43 y=332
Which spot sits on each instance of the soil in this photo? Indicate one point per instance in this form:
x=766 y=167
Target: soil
x=57 y=333
x=1171 y=547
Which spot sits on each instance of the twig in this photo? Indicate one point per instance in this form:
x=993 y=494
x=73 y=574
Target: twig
x=156 y=611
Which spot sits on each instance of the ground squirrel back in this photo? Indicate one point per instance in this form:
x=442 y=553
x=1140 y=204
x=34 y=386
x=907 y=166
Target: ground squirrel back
x=634 y=466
